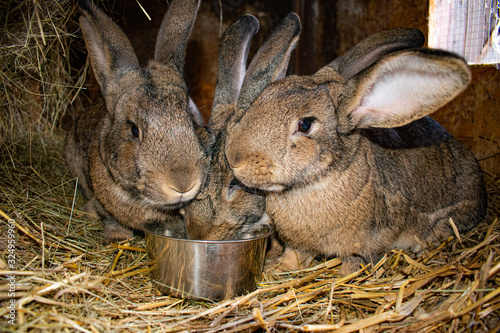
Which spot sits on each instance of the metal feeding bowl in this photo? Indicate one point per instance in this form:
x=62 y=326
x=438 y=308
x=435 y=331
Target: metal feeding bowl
x=201 y=269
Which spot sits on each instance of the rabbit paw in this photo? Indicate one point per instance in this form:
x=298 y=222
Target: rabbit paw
x=274 y=249
x=90 y=209
x=350 y=265
x=289 y=260
x=114 y=231
x=354 y=263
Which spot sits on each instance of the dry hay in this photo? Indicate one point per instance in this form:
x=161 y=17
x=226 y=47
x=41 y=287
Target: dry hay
x=41 y=71
x=65 y=280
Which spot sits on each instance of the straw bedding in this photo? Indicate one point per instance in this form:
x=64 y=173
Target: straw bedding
x=55 y=274
x=40 y=69
x=65 y=280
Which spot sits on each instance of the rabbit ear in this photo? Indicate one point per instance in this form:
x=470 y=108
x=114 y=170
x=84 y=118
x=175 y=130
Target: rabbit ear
x=110 y=51
x=174 y=32
x=198 y=119
x=402 y=87
x=368 y=51
x=233 y=53
x=271 y=61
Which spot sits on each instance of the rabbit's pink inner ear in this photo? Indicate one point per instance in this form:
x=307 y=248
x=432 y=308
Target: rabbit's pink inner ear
x=195 y=112
x=407 y=87
x=281 y=68
x=397 y=98
x=96 y=51
x=110 y=51
x=232 y=59
x=271 y=61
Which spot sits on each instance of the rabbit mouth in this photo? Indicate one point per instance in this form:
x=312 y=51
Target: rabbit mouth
x=263 y=186
x=274 y=188
x=255 y=182
x=168 y=195
x=168 y=198
x=167 y=204
x=271 y=187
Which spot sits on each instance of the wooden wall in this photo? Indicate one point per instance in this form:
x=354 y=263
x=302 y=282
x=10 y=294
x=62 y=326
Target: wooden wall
x=330 y=27
x=201 y=62
x=474 y=116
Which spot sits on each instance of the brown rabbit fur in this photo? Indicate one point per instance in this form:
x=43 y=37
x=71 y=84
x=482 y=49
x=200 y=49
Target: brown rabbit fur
x=225 y=209
x=351 y=165
x=140 y=151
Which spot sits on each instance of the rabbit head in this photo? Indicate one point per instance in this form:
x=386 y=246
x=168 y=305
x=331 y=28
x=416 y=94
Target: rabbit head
x=310 y=112
x=144 y=142
x=347 y=156
x=225 y=208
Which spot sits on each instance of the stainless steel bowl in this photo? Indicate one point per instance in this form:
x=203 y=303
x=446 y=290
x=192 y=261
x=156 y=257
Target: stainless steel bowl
x=201 y=269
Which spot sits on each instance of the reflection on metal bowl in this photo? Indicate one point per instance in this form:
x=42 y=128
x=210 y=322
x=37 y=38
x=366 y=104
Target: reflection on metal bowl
x=202 y=269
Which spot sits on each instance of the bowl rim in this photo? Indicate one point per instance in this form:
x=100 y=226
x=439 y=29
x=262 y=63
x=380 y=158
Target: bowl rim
x=265 y=234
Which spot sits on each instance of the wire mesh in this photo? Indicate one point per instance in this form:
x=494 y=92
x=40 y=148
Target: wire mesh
x=469 y=28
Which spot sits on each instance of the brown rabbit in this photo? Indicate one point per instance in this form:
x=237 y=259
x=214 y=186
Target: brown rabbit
x=350 y=163
x=140 y=151
x=225 y=209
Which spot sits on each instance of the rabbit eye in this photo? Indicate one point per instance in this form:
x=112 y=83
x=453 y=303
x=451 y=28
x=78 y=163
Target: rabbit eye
x=135 y=131
x=305 y=125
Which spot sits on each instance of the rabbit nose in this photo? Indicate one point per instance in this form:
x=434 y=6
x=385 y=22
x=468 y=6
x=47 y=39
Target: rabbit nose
x=233 y=156
x=183 y=187
x=181 y=184
x=235 y=160
x=189 y=187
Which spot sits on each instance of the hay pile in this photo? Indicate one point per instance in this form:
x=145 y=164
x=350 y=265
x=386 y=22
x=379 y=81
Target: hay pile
x=55 y=275
x=65 y=280
x=42 y=68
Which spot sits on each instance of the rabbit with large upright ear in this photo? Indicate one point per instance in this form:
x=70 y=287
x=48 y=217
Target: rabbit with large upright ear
x=140 y=151
x=350 y=163
x=225 y=209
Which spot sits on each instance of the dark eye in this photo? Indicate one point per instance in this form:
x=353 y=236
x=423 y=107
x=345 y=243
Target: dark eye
x=305 y=125
x=135 y=131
